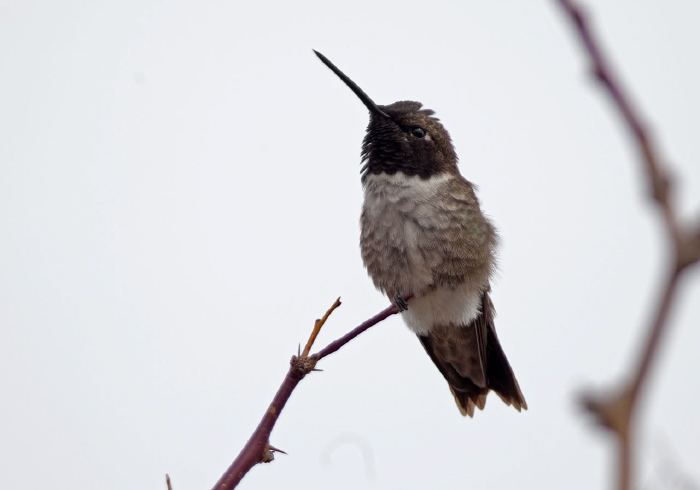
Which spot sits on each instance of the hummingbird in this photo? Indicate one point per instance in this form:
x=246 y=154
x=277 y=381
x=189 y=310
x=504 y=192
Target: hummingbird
x=423 y=235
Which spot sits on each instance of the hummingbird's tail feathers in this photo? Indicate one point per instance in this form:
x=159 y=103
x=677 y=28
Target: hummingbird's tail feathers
x=473 y=363
x=467 y=402
x=457 y=353
x=500 y=375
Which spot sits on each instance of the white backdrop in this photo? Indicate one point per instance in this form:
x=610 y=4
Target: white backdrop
x=179 y=200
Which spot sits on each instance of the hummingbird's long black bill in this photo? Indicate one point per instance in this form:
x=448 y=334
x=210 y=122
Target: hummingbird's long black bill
x=373 y=108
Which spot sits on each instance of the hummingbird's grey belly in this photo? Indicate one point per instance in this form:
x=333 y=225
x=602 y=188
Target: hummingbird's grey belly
x=408 y=233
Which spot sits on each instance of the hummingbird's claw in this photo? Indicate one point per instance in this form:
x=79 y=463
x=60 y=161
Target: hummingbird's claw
x=400 y=303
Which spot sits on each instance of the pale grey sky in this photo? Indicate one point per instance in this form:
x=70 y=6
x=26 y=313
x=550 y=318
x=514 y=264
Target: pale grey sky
x=179 y=200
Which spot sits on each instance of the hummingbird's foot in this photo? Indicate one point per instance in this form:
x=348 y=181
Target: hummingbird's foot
x=400 y=303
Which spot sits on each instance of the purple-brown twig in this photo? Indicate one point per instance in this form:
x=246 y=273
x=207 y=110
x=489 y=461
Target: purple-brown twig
x=615 y=410
x=258 y=448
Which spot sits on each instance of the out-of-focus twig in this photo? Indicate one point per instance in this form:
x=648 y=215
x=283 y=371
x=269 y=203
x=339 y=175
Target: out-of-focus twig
x=616 y=410
x=258 y=448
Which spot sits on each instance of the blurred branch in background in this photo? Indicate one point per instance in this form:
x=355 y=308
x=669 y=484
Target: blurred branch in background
x=258 y=448
x=615 y=410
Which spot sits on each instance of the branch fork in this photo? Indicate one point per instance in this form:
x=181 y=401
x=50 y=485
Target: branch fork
x=258 y=448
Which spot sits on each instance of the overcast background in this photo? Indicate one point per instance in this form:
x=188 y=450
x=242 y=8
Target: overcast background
x=179 y=200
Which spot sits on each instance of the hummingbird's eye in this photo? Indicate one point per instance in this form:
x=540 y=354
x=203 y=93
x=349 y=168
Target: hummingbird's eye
x=418 y=132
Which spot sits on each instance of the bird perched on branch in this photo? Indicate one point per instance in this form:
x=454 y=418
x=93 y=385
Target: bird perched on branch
x=423 y=234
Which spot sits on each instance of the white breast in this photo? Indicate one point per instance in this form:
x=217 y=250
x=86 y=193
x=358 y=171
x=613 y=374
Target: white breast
x=392 y=203
x=455 y=307
x=384 y=191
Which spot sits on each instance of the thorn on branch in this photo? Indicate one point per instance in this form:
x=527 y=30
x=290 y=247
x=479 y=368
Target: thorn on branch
x=277 y=450
x=269 y=454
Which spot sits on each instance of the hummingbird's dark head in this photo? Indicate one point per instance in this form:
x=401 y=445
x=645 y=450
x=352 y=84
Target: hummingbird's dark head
x=401 y=137
x=409 y=140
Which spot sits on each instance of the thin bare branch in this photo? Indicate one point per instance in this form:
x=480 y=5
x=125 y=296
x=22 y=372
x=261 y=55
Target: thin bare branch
x=335 y=345
x=258 y=448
